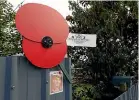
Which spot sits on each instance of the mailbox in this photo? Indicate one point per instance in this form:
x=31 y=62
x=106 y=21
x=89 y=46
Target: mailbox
x=117 y=80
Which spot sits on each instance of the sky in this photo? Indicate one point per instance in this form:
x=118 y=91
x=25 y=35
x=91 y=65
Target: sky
x=60 y=5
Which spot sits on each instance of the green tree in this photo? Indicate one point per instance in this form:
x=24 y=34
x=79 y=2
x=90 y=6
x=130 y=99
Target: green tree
x=9 y=37
x=116 y=26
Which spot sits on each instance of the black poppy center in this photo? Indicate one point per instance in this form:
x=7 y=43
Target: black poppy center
x=47 y=42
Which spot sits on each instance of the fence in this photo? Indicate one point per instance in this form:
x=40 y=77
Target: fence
x=130 y=94
x=20 y=80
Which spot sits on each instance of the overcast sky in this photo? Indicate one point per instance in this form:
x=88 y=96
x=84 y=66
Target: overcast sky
x=60 y=5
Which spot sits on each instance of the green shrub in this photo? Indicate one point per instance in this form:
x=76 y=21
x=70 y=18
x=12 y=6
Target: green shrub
x=85 y=92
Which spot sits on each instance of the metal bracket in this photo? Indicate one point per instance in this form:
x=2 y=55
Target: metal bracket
x=65 y=72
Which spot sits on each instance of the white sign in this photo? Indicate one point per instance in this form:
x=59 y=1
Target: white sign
x=56 y=82
x=86 y=40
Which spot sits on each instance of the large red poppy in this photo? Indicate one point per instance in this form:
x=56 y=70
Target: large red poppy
x=44 y=32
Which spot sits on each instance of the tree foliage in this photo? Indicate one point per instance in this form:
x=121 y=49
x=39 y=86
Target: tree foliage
x=116 y=26
x=9 y=37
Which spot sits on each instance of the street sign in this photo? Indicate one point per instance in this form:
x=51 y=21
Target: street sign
x=85 y=40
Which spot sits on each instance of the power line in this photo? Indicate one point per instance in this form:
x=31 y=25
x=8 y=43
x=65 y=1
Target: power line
x=19 y=5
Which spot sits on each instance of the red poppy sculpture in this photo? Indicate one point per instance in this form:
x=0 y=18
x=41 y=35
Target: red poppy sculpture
x=44 y=32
